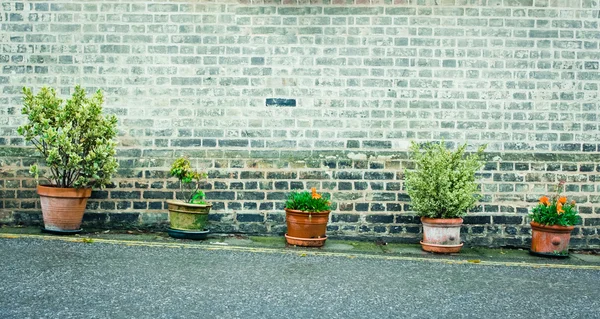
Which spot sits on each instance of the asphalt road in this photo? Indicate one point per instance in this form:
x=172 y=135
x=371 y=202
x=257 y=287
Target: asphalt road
x=56 y=279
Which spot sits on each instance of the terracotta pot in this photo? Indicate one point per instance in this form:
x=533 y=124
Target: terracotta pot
x=186 y=216
x=550 y=240
x=306 y=228
x=63 y=208
x=441 y=235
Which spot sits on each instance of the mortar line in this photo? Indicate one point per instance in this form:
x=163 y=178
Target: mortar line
x=300 y=252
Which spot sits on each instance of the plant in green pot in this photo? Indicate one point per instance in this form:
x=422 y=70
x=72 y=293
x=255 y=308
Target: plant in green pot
x=77 y=144
x=442 y=188
x=306 y=216
x=188 y=217
x=552 y=222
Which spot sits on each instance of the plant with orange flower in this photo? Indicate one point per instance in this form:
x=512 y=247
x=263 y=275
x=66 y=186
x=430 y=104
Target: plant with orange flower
x=555 y=210
x=308 y=201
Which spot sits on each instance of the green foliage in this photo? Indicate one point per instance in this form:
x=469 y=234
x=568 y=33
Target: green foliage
x=443 y=184
x=308 y=202
x=556 y=210
x=191 y=178
x=75 y=139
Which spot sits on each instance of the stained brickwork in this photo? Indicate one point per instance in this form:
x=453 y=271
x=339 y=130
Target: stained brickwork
x=282 y=95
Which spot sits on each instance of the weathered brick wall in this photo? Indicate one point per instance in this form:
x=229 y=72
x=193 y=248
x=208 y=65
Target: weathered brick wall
x=274 y=96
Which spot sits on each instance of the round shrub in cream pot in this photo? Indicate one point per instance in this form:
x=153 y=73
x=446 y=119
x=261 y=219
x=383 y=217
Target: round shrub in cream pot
x=442 y=188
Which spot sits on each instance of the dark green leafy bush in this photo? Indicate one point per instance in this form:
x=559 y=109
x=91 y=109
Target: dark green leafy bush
x=75 y=139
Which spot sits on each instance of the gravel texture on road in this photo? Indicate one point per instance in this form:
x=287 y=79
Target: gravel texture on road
x=57 y=279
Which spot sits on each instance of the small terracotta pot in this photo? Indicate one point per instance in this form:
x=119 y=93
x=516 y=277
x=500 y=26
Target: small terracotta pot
x=550 y=240
x=441 y=235
x=187 y=216
x=306 y=228
x=63 y=208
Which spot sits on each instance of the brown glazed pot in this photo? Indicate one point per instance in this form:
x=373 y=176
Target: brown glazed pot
x=441 y=235
x=63 y=208
x=306 y=228
x=550 y=241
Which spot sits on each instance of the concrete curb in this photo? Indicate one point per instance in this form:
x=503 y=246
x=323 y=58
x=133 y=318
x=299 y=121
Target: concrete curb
x=303 y=253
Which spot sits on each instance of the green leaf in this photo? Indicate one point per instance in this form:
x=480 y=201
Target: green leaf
x=443 y=184
x=74 y=137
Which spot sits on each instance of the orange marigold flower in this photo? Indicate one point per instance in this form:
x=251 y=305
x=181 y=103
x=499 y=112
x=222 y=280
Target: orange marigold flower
x=573 y=203
x=562 y=200
x=315 y=195
x=545 y=200
x=559 y=208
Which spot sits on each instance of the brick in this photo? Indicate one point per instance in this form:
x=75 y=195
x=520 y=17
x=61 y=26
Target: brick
x=244 y=218
x=592 y=221
x=95 y=218
x=132 y=194
x=280 y=102
x=123 y=218
x=250 y=195
x=344 y=218
x=376 y=218
x=508 y=220
x=217 y=195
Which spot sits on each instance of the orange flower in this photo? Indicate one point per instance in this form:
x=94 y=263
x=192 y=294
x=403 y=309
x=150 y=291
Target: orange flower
x=314 y=193
x=562 y=200
x=545 y=200
x=559 y=209
x=573 y=203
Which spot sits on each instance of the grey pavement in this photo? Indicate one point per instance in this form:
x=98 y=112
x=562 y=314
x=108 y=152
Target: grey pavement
x=57 y=279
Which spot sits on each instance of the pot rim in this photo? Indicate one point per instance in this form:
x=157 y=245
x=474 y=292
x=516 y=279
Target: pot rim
x=63 y=192
x=442 y=221
x=56 y=187
x=296 y=211
x=185 y=204
x=551 y=228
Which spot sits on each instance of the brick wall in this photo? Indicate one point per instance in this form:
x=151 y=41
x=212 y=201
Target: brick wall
x=281 y=95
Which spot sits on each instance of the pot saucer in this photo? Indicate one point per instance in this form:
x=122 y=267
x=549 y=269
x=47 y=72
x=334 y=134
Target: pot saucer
x=187 y=234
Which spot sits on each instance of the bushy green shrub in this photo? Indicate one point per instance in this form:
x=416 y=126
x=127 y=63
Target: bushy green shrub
x=308 y=202
x=189 y=178
x=556 y=210
x=443 y=183
x=75 y=139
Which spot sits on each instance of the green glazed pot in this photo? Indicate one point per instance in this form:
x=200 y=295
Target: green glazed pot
x=186 y=216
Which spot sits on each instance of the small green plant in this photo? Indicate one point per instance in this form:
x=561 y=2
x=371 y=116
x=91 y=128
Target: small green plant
x=191 y=178
x=443 y=184
x=75 y=139
x=556 y=210
x=308 y=202
x=561 y=253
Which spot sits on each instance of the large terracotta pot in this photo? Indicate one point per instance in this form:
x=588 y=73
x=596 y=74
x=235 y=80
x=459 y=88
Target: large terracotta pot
x=306 y=228
x=441 y=235
x=550 y=240
x=186 y=216
x=63 y=208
